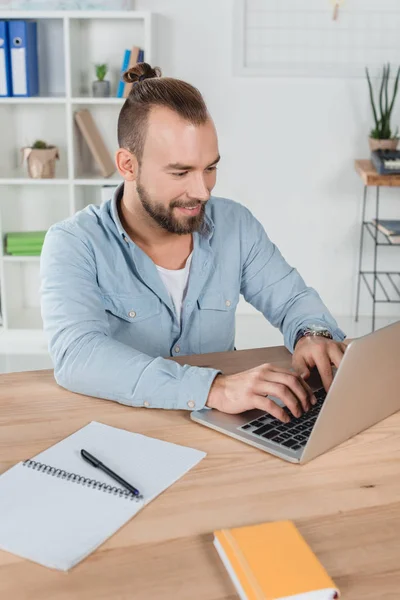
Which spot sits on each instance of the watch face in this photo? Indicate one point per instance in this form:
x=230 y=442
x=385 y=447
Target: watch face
x=316 y=328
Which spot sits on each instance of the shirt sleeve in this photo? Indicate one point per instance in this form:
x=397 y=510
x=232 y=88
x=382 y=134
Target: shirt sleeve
x=277 y=290
x=86 y=359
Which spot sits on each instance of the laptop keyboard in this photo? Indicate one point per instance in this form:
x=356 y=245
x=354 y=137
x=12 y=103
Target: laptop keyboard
x=293 y=435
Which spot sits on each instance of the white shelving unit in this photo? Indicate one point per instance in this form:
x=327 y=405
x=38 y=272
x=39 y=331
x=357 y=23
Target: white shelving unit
x=69 y=45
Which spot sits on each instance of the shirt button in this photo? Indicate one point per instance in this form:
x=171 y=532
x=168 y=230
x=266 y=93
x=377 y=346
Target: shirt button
x=177 y=349
x=146 y=404
x=132 y=314
x=228 y=303
x=191 y=404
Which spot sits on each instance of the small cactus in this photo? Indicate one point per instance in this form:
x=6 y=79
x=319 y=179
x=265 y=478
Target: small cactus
x=40 y=145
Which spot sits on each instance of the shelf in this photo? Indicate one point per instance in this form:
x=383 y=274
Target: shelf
x=91 y=100
x=387 y=285
x=28 y=259
x=34 y=100
x=30 y=181
x=370 y=227
x=95 y=179
x=70 y=43
x=75 y=14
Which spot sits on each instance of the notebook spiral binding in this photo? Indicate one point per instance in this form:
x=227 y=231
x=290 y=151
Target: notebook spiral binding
x=92 y=483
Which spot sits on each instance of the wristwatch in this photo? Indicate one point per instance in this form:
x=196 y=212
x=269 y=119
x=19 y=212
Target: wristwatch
x=313 y=330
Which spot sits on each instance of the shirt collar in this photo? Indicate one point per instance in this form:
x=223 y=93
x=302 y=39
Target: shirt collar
x=206 y=231
x=114 y=209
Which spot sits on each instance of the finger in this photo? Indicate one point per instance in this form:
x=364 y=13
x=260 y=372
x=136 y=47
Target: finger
x=298 y=386
x=286 y=395
x=336 y=355
x=272 y=368
x=300 y=365
x=266 y=404
x=323 y=365
x=310 y=392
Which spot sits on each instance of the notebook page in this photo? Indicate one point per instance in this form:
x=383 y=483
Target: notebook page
x=56 y=522
x=149 y=464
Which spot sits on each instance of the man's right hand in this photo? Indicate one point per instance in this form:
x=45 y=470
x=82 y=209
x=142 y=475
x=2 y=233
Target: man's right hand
x=250 y=389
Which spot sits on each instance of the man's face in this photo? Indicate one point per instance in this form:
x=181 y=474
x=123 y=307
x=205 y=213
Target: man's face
x=178 y=171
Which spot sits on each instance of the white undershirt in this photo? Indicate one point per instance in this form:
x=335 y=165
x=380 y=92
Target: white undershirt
x=176 y=282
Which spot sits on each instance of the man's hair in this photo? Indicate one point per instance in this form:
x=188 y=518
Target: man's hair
x=150 y=89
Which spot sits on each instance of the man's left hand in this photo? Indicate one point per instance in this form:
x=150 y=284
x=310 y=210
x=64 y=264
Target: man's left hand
x=320 y=352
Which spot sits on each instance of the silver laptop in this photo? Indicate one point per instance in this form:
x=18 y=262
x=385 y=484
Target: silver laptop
x=365 y=390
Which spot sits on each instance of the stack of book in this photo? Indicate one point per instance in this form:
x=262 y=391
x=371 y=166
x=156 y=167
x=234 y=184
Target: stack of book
x=24 y=243
x=390 y=228
x=131 y=58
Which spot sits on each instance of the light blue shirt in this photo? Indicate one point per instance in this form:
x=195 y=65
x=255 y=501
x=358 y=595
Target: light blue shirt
x=110 y=320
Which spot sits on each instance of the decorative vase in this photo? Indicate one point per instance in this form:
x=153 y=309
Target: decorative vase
x=41 y=162
x=375 y=144
x=101 y=89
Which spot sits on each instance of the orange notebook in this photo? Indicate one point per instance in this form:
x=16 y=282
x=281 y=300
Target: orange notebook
x=272 y=561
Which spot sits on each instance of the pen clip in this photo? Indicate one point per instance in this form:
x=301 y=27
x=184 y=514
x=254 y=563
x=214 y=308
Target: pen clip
x=90 y=458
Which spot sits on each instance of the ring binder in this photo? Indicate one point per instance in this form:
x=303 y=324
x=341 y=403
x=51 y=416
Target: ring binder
x=75 y=478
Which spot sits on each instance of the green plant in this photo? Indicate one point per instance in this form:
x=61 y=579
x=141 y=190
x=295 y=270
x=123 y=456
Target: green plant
x=382 y=130
x=40 y=145
x=101 y=72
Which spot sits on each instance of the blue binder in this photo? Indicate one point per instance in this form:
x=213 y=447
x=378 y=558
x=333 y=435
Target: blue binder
x=5 y=67
x=24 y=58
x=125 y=63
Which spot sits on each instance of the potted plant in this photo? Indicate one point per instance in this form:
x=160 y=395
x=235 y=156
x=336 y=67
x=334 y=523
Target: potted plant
x=381 y=136
x=41 y=160
x=101 y=87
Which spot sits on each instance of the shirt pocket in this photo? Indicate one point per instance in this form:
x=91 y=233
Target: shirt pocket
x=135 y=321
x=217 y=320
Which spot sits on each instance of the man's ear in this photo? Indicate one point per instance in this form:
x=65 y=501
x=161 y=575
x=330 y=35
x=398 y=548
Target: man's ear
x=127 y=164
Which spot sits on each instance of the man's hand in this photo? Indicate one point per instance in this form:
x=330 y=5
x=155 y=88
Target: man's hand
x=320 y=352
x=247 y=390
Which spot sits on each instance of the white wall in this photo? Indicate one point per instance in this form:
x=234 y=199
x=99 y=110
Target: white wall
x=287 y=147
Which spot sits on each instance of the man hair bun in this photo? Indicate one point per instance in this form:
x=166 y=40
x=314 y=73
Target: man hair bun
x=140 y=72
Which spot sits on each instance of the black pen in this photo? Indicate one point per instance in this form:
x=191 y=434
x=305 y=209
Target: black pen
x=95 y=462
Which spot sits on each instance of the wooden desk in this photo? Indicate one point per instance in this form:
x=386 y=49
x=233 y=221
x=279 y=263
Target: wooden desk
x=346 y=503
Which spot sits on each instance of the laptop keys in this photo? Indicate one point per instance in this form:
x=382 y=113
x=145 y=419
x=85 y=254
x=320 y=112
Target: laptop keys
x=289 y=443
x=269 y=435
x=293 y=435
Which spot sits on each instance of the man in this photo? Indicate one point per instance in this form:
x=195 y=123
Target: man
x=157 y=271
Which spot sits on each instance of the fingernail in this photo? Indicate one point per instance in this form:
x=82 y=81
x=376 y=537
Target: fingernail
x=303 y=375
x=313 y=400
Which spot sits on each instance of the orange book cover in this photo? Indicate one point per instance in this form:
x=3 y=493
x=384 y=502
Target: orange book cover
x=272 y=561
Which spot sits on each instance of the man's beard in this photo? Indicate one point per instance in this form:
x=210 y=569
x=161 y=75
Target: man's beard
x=164 y=217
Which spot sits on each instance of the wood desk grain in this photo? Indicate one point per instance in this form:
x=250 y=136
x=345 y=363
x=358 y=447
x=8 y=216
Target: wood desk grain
x=346 y=503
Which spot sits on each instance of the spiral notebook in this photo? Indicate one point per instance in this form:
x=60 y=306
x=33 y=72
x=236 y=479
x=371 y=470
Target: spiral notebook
x=55 y=509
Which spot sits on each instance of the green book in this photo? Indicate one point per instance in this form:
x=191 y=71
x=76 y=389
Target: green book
x=27 y=237
x=26 y=253
x=27 y=234
x=23 y=246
